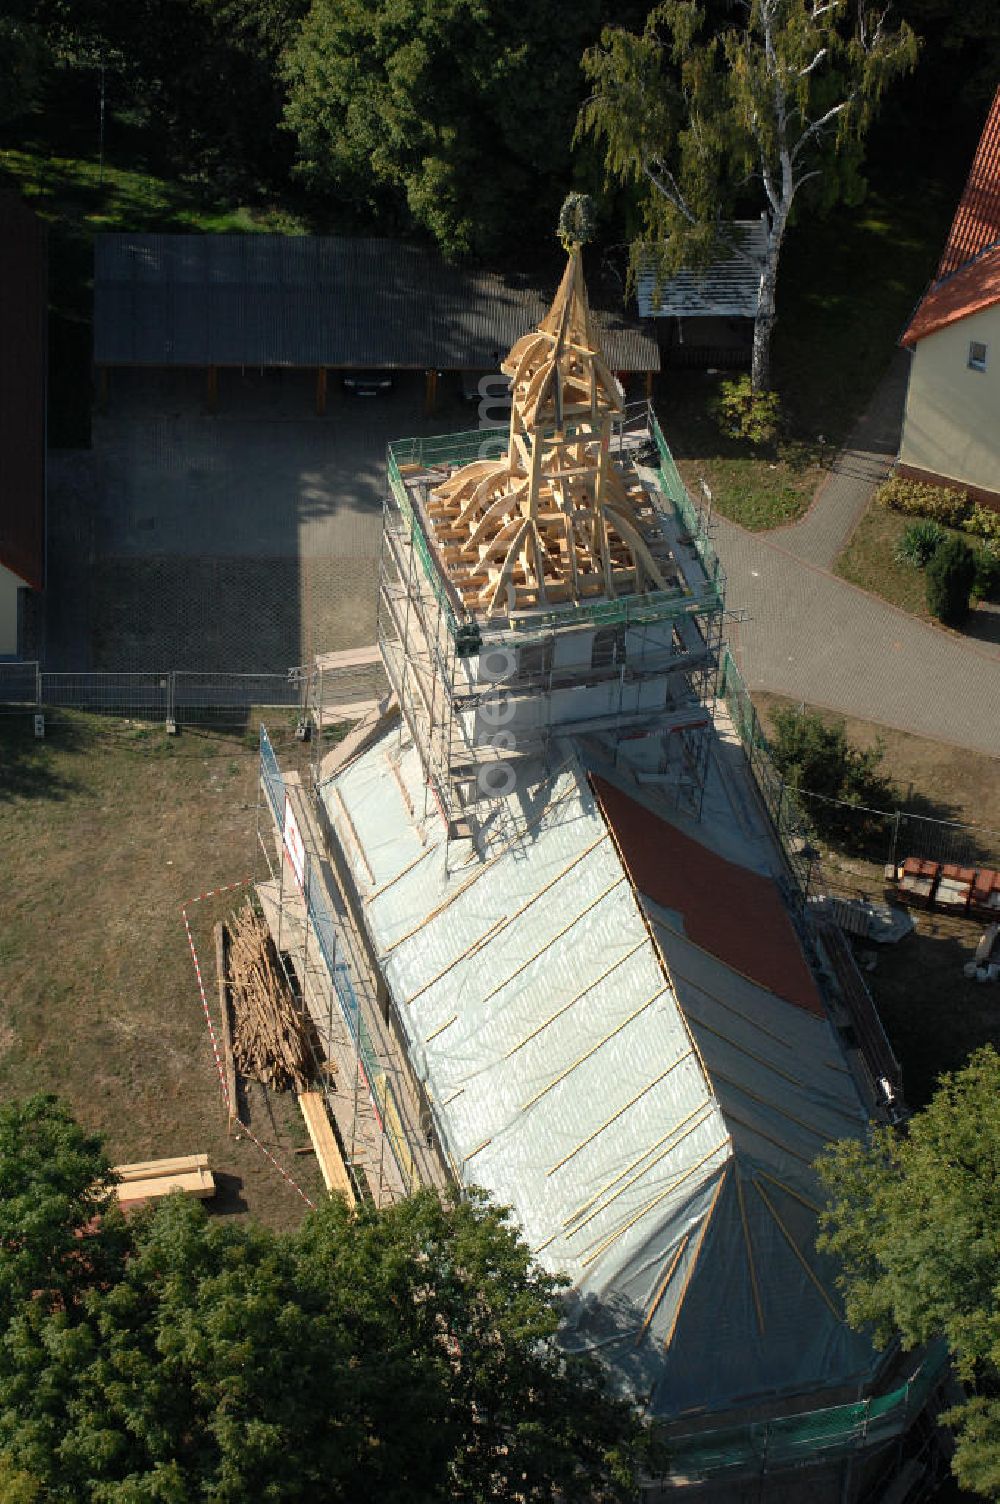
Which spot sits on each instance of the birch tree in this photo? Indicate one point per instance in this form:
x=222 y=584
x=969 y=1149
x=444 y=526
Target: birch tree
x=713 y=119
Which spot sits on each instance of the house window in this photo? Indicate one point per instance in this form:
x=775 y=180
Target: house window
x=608 y=647
x=977 y=355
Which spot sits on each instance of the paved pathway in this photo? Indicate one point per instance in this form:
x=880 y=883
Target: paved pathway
x=814 y=637
x=857 y=470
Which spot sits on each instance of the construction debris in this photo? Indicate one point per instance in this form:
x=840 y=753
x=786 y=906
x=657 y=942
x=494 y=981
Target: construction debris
x=271 y=1042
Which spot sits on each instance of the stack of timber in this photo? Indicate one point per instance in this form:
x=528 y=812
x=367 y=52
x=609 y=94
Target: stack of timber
x=270 y=1039
x=151 y=1178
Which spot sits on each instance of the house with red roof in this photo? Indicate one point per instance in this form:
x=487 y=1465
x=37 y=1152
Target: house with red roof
x=23 y=313
x=951 y=427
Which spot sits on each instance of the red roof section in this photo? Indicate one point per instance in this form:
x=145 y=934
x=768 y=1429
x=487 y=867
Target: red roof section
x=968 y=278
x=977 y=219
x=975 y=287
x=733 y=913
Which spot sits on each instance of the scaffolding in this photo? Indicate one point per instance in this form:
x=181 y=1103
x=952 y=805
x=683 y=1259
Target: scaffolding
x=480 y=694
x=363 y=1083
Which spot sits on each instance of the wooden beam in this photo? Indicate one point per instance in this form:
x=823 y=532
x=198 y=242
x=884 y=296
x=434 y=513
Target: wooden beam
x=212 y=389
x=321 y=391
x=332 y=1165
x=222 y=974
x=430 y=393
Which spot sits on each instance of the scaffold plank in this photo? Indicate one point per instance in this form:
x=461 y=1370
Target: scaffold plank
x=324 y=1141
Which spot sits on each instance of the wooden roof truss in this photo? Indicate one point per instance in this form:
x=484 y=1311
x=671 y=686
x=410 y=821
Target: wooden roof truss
x=554 y=520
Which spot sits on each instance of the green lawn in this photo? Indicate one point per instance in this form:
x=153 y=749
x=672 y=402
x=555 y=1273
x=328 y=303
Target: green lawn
x=869 y=561
x=846 y=287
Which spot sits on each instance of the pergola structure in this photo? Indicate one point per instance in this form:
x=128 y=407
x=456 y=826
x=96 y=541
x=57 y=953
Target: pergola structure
x=553 y=520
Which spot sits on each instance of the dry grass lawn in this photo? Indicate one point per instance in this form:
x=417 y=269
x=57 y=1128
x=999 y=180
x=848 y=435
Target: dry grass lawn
x=106 y=829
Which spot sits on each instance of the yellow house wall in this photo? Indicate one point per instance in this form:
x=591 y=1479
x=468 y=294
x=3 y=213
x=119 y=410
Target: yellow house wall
x=952 y=421
x=9 y=584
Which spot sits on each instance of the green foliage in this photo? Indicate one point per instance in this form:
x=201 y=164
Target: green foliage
x=404 y=1354
x=815 y=758
x=743 y=413
x=24 y=57
x=916 y=498
x=576 y=220
x=986 y=584
x=695 y=108
x=983 y=522
x=51 y=1173
x=950 y=577
x=454 y=115
x=915 y=1222
x=919 y=542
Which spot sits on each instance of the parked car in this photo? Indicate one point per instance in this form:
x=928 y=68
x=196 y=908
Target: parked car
x=367 y=383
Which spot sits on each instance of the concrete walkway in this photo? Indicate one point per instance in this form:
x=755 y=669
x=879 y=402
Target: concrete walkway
x=857 y=471
x=814 y=637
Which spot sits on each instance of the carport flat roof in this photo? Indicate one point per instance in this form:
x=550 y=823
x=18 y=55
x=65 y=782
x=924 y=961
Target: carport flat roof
x=306 y=300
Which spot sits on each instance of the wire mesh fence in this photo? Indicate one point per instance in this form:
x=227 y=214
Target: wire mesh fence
x=779 y=800
x=220 y=699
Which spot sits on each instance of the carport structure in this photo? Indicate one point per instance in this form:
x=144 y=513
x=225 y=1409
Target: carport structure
x=324 y=303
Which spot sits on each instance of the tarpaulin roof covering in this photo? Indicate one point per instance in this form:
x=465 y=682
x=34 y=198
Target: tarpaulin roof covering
x=728 y=288
x=650 y=1112
x=309 y=300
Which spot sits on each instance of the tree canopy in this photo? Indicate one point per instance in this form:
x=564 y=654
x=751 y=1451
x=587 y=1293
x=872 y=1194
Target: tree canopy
x=405 y=1355
x=915 y=1221
x=710 y=119
x=451 y=115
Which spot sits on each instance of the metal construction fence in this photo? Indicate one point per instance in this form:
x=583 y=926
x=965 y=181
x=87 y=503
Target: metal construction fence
x=183 y=696
x=814 y=1437
x=779 y=801
x=330 y=941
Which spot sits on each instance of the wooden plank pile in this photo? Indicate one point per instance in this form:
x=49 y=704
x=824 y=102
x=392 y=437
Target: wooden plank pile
x=270 y=1040
x=151 y=1178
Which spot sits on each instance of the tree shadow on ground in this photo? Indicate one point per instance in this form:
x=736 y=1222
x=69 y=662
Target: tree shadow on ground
x=27 y=766
x=983 y=624
x=228 y=1200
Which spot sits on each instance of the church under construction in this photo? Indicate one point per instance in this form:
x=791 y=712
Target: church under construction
x=544 y=921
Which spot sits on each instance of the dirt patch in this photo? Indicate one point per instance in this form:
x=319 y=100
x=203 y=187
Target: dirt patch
x=110 y=828
x=933 y=1014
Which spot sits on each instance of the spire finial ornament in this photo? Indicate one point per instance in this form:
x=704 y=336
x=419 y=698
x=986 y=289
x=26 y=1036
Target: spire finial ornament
x=577 y=220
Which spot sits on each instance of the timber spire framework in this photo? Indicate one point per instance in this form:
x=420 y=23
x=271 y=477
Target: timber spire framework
x=554 y=520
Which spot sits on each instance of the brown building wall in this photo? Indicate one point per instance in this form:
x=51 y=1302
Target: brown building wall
x=23 y=321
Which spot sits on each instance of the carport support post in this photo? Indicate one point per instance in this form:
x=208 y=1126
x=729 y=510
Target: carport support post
x=320 y=391
x=430 y=393
x=213 y=388
x=649 y=386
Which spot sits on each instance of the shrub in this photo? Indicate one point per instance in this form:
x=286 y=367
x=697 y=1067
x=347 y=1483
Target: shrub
x=743 y=413
x=983 y=523
x=986 y=583
x=918 y=542
x=915 y=498
x=950 y=576
x=815 y=757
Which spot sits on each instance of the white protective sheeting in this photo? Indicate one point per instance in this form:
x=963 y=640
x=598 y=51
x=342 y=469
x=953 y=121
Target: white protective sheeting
x=566 y=1080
